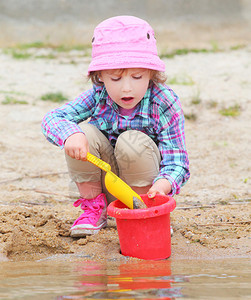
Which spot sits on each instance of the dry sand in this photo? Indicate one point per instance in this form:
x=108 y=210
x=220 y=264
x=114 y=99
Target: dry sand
x=213 y=215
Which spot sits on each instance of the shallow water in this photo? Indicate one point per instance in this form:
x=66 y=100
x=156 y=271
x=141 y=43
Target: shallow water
x=65 y=277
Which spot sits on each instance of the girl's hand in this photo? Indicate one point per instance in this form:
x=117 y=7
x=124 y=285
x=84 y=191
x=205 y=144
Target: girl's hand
x=161 y=187
x=76 y=146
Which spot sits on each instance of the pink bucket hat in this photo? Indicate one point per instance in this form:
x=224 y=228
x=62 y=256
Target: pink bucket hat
x=124 y=42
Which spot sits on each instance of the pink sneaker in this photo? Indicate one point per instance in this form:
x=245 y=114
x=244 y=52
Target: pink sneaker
x=94 y=217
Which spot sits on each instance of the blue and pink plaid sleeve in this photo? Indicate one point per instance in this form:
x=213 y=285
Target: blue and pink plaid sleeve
x=174 y=165
x=60 y=123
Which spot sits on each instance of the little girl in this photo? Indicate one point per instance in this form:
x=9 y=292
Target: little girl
x=135 y=122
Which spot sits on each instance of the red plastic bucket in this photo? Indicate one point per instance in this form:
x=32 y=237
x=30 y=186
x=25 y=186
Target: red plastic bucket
x=144 y=233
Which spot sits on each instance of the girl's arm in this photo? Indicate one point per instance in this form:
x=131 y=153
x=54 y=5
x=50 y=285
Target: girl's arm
x=76 y=146
x=162 y=186
x=174 y=166
x=60 y=123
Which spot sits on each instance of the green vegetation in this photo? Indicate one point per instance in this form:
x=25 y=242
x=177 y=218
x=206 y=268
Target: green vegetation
x=191 y=116
x=25 y=51
x=237 y=47
x=196 y=98
x=20 y=55
x=220 y=144
x=17 y=54
x=245 y=180
x=31 y=45
x=196 y=101
x=184 y=51
x=182 y=79
x=232 y=111
x=212 y=104
x=54 y=97
x=58 y=48
x=31 y=50
x=12 y=93
x=11 y=100
x=48 y=56
x=224 y=202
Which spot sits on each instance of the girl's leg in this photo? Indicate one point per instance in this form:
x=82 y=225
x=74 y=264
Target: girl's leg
x=138 y=159
x=89 y=190
x=88 y=178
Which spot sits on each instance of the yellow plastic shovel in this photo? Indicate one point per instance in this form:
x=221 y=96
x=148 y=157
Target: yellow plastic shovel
x=116 y=186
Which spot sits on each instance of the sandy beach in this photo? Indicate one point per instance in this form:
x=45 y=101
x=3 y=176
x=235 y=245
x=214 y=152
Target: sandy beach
x=213 y=213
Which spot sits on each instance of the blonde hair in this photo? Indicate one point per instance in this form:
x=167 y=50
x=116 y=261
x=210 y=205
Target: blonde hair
x=155 y=77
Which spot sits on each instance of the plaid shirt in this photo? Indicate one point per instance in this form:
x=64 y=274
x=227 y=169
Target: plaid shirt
x=159 y=115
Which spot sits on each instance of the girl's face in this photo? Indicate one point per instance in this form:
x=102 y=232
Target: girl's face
x=127 y=87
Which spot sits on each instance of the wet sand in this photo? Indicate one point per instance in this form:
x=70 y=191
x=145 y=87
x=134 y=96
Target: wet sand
x=36 y=232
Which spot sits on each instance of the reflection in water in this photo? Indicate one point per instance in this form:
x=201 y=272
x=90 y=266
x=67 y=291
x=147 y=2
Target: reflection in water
x=144 y=280
x=68 y=277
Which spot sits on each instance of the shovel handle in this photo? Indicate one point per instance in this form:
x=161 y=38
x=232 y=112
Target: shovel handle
x=98 y=162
